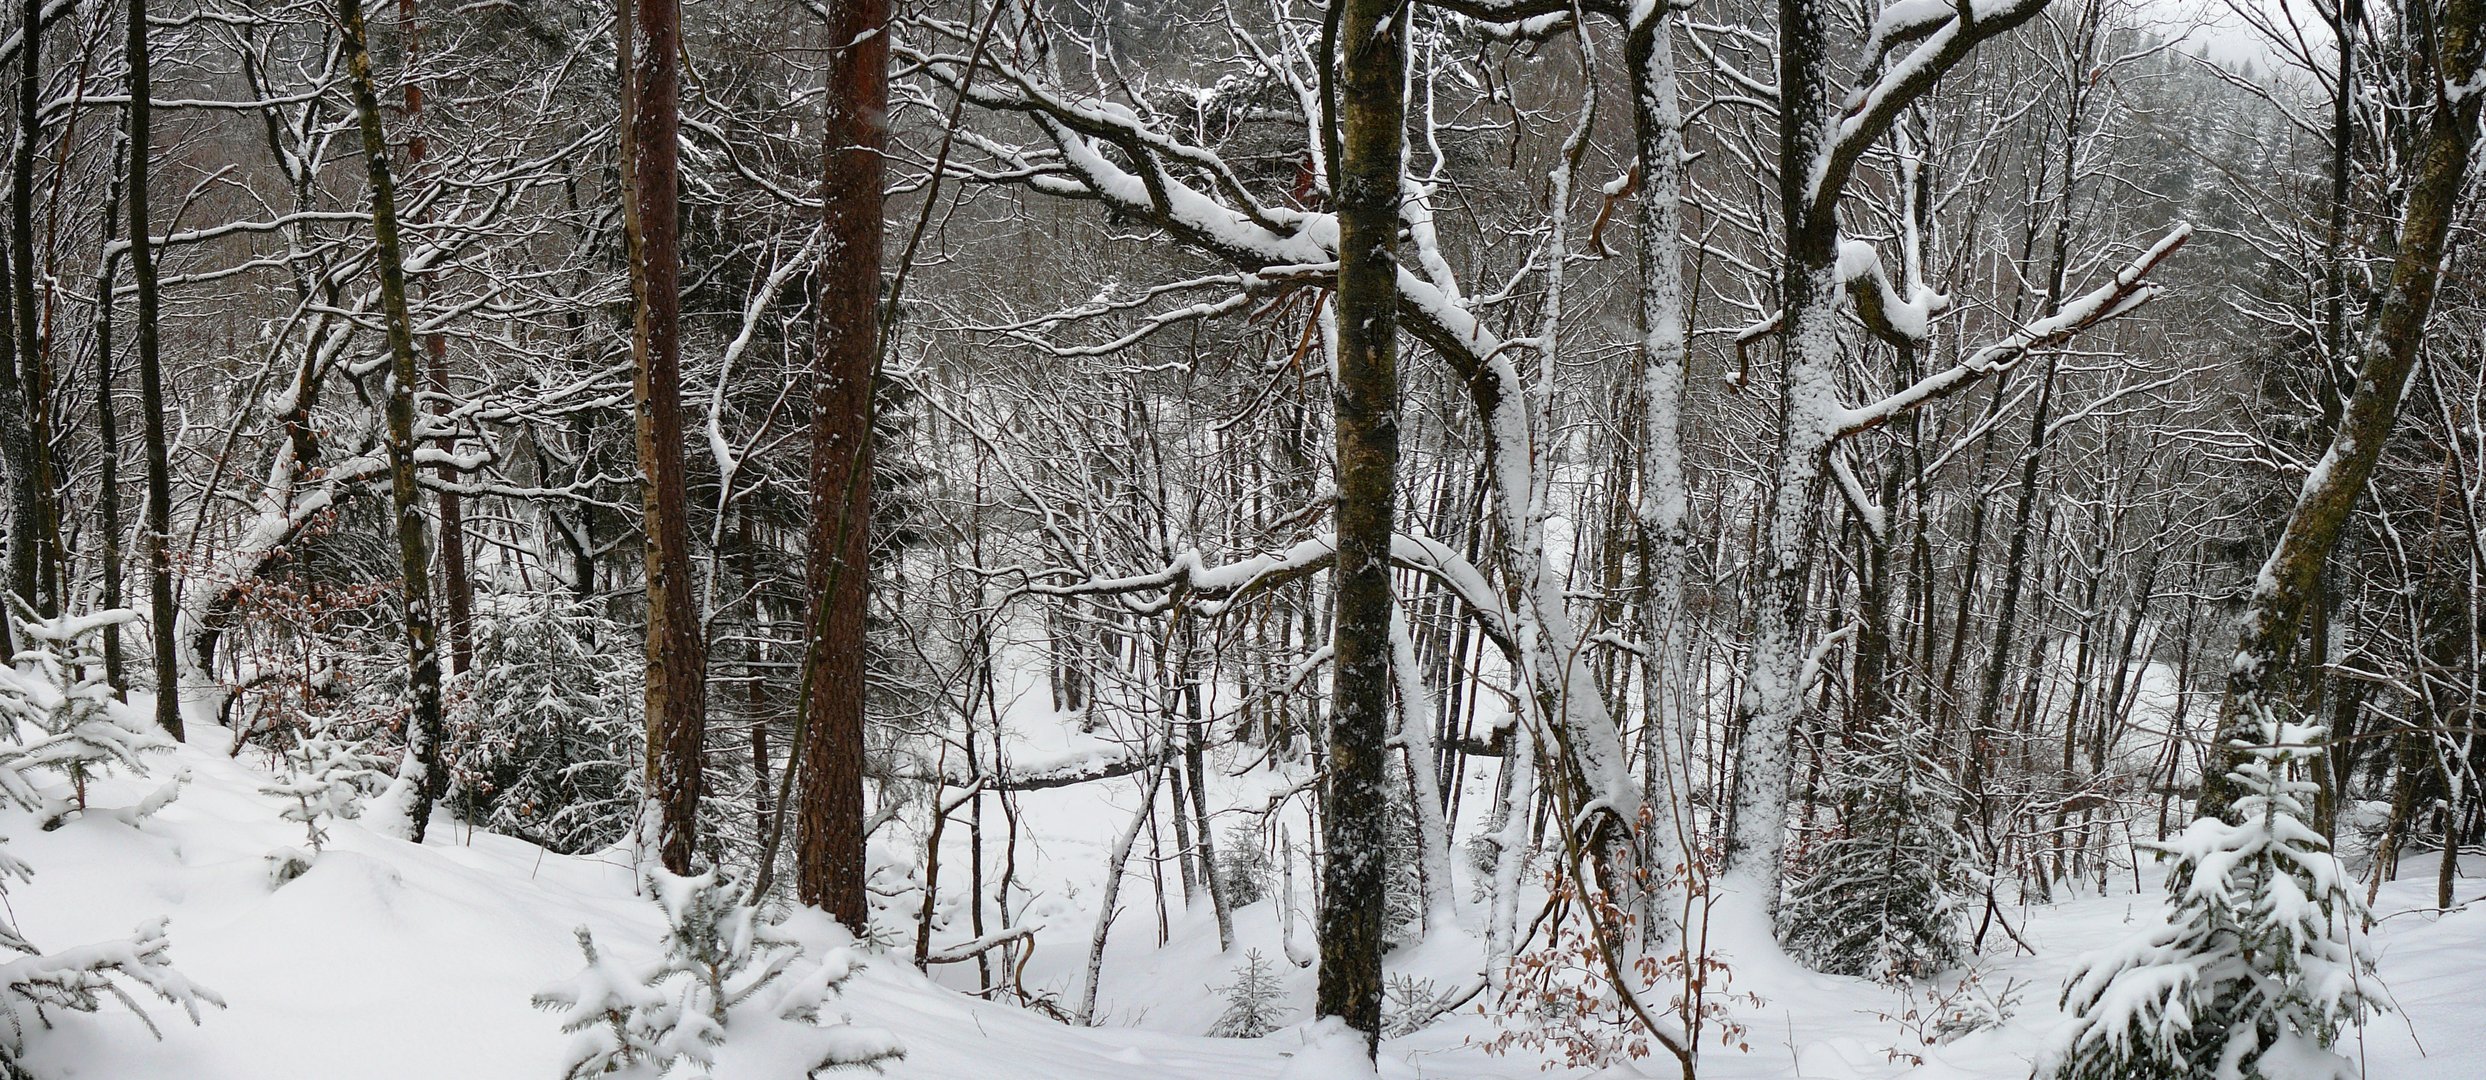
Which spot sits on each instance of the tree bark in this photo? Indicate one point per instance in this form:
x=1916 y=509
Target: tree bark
x=1809 y=290
x=829 y=861
x=17 y=453
x=1813 y=127
x=458 y=603
x=42 y=588
x=1372 y=61
x=1665 y=502
x=676 y=647
x=159 y=543
x=422 y=769
x=108 y=435
x=2288 y=582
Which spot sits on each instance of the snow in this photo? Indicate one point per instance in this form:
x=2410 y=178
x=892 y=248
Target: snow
x=386 y=960
x=1331 y=1051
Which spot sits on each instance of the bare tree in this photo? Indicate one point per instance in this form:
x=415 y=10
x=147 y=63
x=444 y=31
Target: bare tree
x=423 y=772
x=140 y=145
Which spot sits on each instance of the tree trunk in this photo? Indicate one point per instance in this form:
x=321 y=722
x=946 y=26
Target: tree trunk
x=108 y=436
x=17 y=440
x=829 y=861
x=454 y=580
x=1664 y=504
x=17 y=453
x=41 y=542
x=676 y=648
x=422 y=770
x=151 y=387
x=2266 y=633
x=1809 y=289
x=1372 y=58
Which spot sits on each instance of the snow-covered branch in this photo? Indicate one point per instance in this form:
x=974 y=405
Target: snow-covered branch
x=2128 y=289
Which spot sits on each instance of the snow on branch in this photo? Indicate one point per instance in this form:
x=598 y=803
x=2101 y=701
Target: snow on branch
x=80 y=980
x=1222 y=219
x=1901 y=318
x=968 y=950
x=2128 y=289
x=1189 y=581
x=1104 y=764
x=1937 y=35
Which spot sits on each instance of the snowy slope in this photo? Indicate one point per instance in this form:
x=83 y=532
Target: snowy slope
x=390 y=961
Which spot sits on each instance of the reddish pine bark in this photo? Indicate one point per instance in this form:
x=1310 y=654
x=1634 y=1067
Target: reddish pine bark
x=829 y=866
x=676 y=651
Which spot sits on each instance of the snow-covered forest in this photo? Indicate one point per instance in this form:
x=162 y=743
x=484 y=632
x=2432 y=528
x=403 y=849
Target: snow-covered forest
x=1113 y=539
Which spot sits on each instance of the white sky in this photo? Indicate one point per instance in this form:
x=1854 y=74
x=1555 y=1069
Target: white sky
x=2221 y=35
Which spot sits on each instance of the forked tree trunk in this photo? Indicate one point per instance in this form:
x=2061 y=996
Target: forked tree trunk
x=1372 y=61
x=1809 y=290
x=422 y=771
x=829 y=863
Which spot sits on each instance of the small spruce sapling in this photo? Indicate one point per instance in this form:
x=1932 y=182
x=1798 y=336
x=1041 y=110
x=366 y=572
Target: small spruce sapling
x=67 y=722
x=1402 y=881
x=2252 y=975
x=1408 y=1003
x=1882 y=897
x=80 y=730
x=546 y=736
x=37 y=985
x=615 y=1017
x=327 y=778
x=1254 y=1001
x=671 y=1017
x=1243 y=865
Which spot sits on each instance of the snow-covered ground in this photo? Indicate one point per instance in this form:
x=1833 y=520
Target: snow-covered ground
x=393 y=961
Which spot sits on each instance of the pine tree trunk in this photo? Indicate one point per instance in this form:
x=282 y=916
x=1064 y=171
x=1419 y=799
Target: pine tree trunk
x=676 y=648
x=829 y=861
x=423 y=767
x=1372 y=59
x=2267 y=631
x=151 y=387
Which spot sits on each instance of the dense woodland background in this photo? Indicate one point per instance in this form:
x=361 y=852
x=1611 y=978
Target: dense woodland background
x=1882 y=558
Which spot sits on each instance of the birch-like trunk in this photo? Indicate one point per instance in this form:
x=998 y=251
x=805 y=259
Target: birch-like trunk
x=1808 y=339
x=1663 y=509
